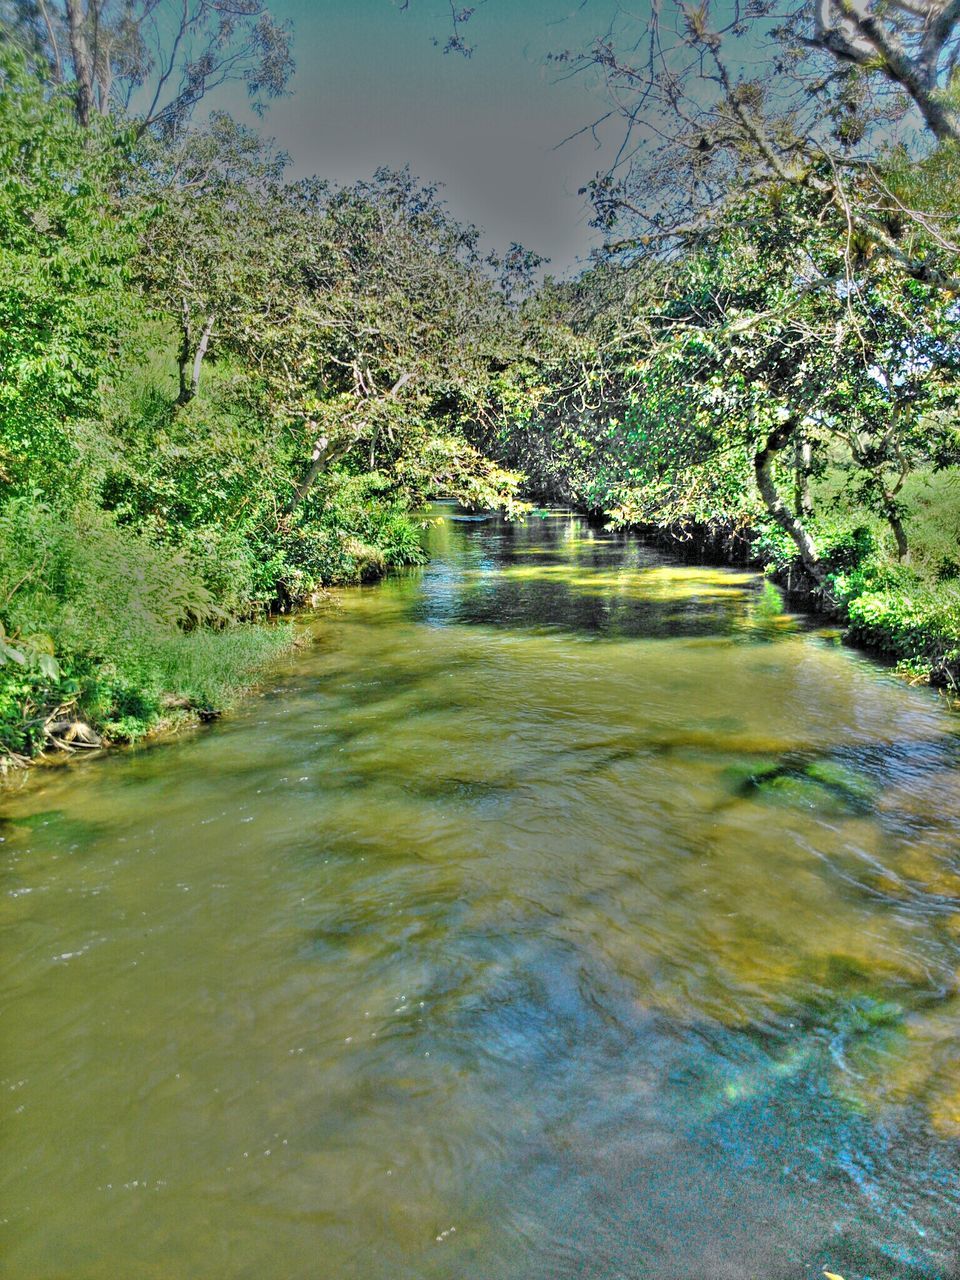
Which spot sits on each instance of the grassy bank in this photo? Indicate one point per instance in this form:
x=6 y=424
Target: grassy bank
x=107 y=636
x=908 y=611
x=110 y=630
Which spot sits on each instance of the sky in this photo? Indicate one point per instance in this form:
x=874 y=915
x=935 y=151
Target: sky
x=372 y=88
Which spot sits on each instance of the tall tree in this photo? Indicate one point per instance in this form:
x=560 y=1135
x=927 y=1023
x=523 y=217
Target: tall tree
x=718 y=97
x=215 y=251
x=400 y=333
x=914 y=44
x=156 y=59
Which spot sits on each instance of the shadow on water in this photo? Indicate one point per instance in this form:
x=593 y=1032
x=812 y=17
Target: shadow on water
x=563 y=911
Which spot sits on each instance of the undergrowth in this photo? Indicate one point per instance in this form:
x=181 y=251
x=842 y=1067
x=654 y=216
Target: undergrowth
x=908 y=612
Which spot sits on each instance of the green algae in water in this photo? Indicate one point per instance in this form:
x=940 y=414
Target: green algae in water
x=854 y=787
x=866 y=1013
x=819 y=783
x=801 y=791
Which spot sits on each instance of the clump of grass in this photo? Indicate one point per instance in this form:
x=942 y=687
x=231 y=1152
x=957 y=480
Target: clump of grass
x=114 y=629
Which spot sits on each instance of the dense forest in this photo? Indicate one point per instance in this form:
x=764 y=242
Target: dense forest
x=223 y=390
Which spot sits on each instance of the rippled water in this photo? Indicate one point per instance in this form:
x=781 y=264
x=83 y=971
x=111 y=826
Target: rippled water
x=562 y=912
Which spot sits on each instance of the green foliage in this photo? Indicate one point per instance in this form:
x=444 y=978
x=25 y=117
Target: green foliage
x=145 y=509
x=116 y=624
x=920 y=630
x=366 y=509
x=911 y=616
x=64 y=304
x=353 y=530
x=769 y=603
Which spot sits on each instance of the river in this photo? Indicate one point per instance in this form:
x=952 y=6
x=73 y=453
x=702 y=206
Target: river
x=562 y=911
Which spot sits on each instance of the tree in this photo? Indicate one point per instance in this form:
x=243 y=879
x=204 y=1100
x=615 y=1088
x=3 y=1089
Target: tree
x=393 y=332
x=912 y=43
x=888 y=388
x=215 y=253
x=716 y=99
x=65 y=299
x=720 y=388
x=155 y=60
x=737 y=368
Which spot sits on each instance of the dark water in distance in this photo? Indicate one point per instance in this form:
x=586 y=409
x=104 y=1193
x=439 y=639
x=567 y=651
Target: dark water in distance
x=562 y=912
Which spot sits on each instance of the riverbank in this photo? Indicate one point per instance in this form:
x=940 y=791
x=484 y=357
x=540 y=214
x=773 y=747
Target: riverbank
x=193 y=679
x=146 y=676
x=110 y=633
x=891 y=610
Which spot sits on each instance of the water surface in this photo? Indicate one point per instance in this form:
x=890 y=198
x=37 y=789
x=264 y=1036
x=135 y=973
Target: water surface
x=563 y=911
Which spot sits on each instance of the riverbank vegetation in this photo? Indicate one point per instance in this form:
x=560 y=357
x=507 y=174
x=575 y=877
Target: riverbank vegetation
x=223 y=390
x=766 y=351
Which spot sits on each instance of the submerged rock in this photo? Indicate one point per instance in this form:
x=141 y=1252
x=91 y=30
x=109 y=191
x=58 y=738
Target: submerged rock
x=819 y=783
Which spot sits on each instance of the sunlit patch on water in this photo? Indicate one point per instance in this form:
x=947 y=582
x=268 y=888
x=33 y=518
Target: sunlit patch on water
x=562 y=912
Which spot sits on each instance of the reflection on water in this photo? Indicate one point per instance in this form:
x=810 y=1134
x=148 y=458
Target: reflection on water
x=563 y=912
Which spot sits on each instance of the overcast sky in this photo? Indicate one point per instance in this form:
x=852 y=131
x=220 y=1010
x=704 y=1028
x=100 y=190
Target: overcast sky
x=371 y=88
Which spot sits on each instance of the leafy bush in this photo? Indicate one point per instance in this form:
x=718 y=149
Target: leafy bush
x=923 y=624
x=849 y=549
x=205 y=481
x=910 y=616
x=366 y=509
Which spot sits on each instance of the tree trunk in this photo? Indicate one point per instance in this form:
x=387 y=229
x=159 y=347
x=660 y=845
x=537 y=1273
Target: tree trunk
x=184 y=357
x=200 y=353
x=104 y=85
x=895 y=521
x=763 y=465
x=803 y=465
x=862 y=38
x=324 y=453
x=54 y=44
x=82 y=59
x=189 y=388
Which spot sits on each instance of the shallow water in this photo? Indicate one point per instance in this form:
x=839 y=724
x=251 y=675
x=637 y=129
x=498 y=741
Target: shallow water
x=562 y=912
